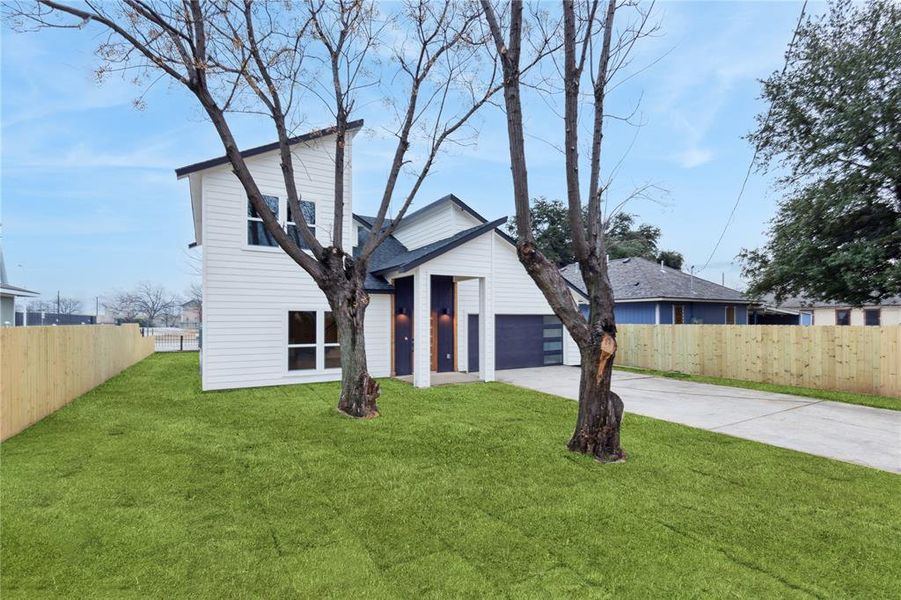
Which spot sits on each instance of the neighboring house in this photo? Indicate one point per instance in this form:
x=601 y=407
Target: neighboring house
x=190 y=313
x=8 y=295
x=810 y=312
x=651 y=293
x=448 y=280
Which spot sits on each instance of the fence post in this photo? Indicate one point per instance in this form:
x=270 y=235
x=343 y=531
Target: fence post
x=181 y=343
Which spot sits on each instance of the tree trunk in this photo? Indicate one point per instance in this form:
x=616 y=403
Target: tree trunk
x=600 y=410
x=359 y=391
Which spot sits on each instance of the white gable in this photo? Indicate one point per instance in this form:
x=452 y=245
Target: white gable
x=436 y=222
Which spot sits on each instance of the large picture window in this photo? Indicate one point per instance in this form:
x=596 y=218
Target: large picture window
x=312 y=341
x=301 y=340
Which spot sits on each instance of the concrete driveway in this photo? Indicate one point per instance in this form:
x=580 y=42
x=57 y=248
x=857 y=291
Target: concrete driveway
x=855 y=434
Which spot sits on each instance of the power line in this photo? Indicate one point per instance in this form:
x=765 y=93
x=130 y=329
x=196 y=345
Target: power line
x=766 y=121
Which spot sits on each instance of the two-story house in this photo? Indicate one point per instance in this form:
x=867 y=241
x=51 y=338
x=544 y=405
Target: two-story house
x=447 y=290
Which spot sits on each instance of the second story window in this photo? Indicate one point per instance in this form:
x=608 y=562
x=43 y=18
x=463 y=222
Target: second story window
x=309 y=214
x=257 y=235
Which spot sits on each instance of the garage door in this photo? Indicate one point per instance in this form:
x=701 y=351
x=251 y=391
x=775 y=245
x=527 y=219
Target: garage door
x=520 y=341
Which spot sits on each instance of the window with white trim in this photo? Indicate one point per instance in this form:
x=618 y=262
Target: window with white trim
x=257 y=234
x=311 y=346
x=308 y=209
x=331 y=349
x=301 y=340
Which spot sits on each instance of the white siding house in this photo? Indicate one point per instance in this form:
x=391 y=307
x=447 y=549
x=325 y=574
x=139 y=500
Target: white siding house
x=445 y=258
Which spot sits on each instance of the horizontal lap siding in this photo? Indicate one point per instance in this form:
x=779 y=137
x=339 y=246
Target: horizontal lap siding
x=635 y=312
x=247 y=291
x=436 y=224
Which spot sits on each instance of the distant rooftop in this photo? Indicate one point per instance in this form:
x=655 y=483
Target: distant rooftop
x=641 y=279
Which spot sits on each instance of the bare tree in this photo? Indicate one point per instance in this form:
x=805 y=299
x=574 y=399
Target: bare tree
x=195 y=294
x=592 y=53
x=68 y=306
x=262 y=57
x=62 y=305
x=153 y=304
x=38 y=305
x=123 y=307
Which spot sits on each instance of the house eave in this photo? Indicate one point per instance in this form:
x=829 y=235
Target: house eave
x=182 y=172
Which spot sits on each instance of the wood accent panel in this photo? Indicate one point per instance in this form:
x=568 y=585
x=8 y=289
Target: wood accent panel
x=455 y=345
x=392 y=350
x=434 y=333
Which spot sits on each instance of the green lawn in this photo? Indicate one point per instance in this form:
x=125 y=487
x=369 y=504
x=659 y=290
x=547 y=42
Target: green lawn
x=147 y=487
x=846 y=397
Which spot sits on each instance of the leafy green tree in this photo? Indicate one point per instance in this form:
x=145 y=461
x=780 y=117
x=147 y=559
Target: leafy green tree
x=671 y=259
x=624 y=238
x=834 y=130
x=550 y=226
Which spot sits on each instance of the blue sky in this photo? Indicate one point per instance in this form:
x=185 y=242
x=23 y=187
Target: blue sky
x=90 y=203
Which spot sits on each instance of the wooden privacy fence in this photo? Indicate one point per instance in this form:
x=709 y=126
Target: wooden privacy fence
x=44 y=368
x=852 y=359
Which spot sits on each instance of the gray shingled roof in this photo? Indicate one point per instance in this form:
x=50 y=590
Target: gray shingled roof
x=641 y=279
x=391 y=255
x=412 y=258
x=386 y=252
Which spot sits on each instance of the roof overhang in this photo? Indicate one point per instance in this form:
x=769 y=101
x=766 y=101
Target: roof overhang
x=11 y=290
x=474 y=233
x=257 y=150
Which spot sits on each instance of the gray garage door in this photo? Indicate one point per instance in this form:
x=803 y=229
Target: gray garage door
x=520 y=341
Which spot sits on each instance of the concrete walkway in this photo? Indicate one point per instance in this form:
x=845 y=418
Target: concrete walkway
x=855 y=434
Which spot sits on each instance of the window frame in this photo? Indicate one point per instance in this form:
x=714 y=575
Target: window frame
x=282 y=217
x=734 y=314
x=878 y=312
x=320 y=344
x=289 y=224
x=248 y=218
x=313 y=345
x=842 y=310
x=681 y=308
x=326 y=344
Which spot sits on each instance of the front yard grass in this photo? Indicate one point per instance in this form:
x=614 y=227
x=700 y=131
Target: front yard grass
x=846 y=397
x=146 y=487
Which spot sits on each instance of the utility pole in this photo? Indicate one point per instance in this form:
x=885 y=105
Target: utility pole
x=57 y=306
